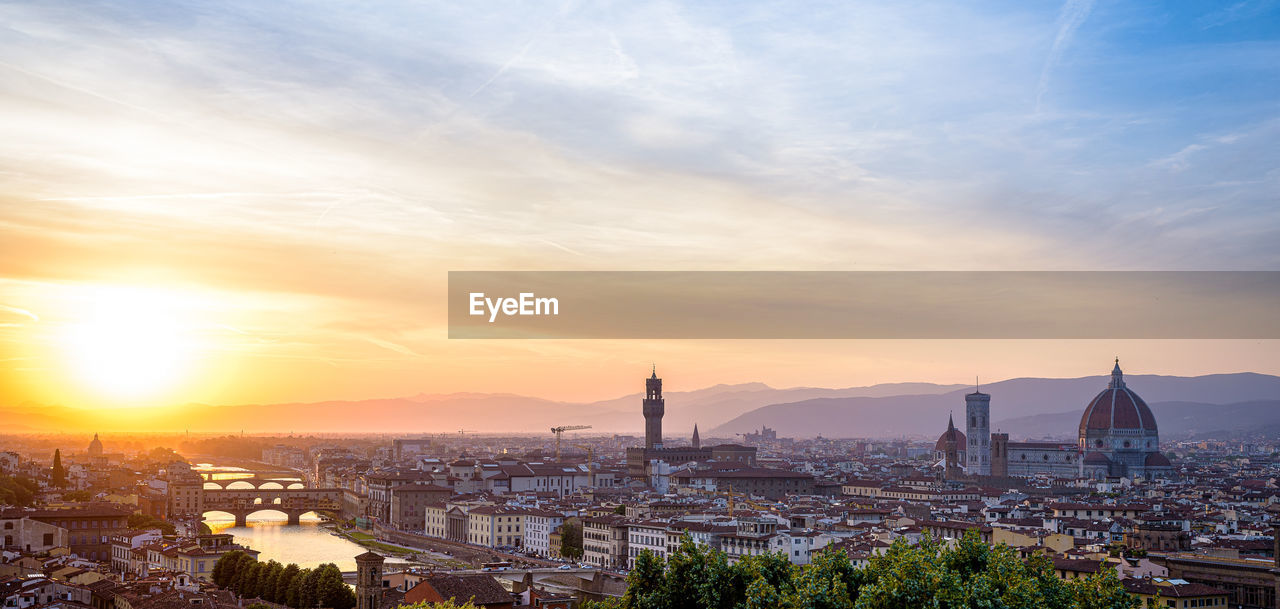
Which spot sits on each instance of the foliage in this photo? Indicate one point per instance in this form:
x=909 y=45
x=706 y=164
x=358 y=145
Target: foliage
x=571 y=541
x=276 y=583
x=77 y=496
x=59 y=474
x=967 y=574
x=163 y=456
x=17 y=490
x=620 y=510
x=143 y=521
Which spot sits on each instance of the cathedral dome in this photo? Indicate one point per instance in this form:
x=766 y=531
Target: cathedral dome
x=1117 y=407
x=1157 y=460
x=950 y=433
x=95 y=447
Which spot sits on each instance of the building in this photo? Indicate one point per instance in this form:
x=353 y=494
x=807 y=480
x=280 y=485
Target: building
x=195 y=557
x=539 y=525
x=89 y=527
x=1164 y=592
x=604 y=541
x=1118 y=434
x=763 y=482
x=479 y=590
x=495 y=526
x=21 y=533
x=977 y=406
x=126 y=554
x=654 y=408
x=1249 y=582
x=646 y=535
x=409 y=503
x=1117 y=437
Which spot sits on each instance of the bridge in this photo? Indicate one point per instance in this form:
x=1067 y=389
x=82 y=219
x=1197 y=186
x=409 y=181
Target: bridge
x=258 y=479
x=293 y=502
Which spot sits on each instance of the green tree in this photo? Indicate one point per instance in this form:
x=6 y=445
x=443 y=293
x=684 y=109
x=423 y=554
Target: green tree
x=77 y=496
x=968 y=574
x=143 y=521
x=284 y=582
x=59 y=473
x=571 y=541
x=645 y=583
x=17 y=490
x=331 y=591
x=271 y=583
x=225 y=568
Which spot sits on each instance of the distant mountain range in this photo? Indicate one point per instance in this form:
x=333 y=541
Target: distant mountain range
x=1031 y=407
x=1025 y=407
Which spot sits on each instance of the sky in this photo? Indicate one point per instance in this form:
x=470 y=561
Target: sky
x=238 y=202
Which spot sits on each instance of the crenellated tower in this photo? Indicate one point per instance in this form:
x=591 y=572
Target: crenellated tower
x=654 y=409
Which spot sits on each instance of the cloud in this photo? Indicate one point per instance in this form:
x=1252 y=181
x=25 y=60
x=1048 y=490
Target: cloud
x=17 y=311
x=1072 y=16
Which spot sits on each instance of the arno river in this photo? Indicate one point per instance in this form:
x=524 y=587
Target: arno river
x=306 y=543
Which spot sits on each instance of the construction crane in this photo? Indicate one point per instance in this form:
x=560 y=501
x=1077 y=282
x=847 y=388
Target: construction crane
x=561 y=429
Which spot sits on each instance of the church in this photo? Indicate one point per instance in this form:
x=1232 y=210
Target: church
x=1117 y=437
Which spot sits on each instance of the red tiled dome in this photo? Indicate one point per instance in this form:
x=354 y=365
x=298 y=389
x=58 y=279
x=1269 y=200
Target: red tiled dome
x=1157 y=460
x=941 y=446
x=1117 y=408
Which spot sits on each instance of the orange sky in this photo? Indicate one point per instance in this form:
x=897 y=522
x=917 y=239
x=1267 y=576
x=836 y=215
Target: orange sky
x=254 y=208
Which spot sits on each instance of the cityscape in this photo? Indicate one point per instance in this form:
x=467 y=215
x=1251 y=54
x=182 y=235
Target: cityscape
x=589 y=304
x=562 y=518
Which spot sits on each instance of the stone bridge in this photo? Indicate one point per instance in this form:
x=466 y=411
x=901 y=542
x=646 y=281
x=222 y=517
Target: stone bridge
x=293 y=502
x=284 y=479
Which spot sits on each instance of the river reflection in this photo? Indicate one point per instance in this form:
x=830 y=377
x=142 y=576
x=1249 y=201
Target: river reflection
x=307 y=543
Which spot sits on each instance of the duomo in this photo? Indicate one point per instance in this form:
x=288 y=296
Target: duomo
x=1117 y=438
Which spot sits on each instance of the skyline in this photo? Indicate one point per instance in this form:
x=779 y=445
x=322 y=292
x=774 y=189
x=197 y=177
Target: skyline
x=256 y=204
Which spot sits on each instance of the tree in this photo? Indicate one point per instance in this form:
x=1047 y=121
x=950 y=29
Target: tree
x=225 y=568
x=331 y=591
x=77 y=496
x=571 y=541
x=17 y=490
x=59 y=474
x=143 y=521
x=620 y=510
x=644 y=583
x=284 y=582
x=271 y=583
x=968 y=574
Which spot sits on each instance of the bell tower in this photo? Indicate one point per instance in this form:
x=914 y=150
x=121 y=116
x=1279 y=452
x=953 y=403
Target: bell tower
x=654 y=408
x=977 y=407
x=368 y=581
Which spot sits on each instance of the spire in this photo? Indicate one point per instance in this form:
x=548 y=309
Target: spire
x=951 y=423
x=1117 y=377
x=697 y=442
x=655 y=371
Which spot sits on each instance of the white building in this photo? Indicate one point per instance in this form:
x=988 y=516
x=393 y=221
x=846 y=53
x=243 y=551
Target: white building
x=538 y=527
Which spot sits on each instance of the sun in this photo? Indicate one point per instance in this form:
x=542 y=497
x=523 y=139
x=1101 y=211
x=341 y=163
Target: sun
x=128 y=343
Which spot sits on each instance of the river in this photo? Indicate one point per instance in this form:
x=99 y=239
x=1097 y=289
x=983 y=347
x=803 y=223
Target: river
x=308 y=543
